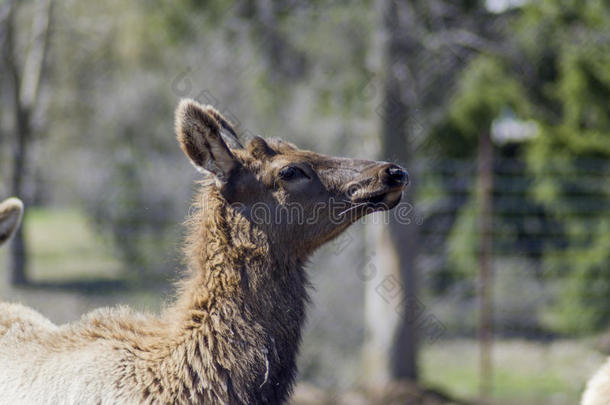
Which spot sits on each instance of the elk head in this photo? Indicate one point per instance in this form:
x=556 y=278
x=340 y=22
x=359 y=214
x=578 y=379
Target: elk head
x=300 y=198
x=10 y=217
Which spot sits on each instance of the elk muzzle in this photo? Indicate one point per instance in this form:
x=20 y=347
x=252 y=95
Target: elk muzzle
x=378 y=188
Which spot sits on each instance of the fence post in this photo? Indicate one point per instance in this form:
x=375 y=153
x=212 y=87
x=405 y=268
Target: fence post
x=484 y=196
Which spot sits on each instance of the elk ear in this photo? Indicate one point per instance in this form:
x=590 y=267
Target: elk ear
x=259 y=149
x=10 y=216
x=199 y=135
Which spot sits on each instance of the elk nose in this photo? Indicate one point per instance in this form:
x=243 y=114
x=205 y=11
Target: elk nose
x=397 y=174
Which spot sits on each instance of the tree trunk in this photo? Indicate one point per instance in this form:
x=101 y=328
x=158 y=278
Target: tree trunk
x=26 y=84
x=382 y=296
x=392 y=308
x=485 y=189
x=18 y=256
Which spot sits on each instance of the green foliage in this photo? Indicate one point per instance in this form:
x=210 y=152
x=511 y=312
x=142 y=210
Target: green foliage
x=570 y=159
x=463 y=242
x=484 y=91
x=560 y=79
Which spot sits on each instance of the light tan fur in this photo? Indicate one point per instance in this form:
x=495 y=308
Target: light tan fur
x=11 y=211
x=232 y=334
x=597 y=391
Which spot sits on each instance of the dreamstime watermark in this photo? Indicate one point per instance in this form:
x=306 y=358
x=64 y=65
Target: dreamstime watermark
x=409 y=308
x=333 y=211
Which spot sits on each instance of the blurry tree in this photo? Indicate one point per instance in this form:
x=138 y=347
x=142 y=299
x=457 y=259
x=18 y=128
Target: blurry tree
x=283 y=60
x=480 y=99
x=24 y=79
x=391 y=348
x=114 y=98
x=428 y=45
x=550 y=63
x=568 y=44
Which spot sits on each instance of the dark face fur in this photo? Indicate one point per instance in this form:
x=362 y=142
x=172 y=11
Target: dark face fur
x=302 y=199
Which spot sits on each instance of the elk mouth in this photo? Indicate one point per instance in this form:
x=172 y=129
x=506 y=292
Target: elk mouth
x=367 y=203
x=381 y=200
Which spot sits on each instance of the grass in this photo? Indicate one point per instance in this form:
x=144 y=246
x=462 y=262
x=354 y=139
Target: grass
x=73 y=271
x=524 y=372
x=64 y=247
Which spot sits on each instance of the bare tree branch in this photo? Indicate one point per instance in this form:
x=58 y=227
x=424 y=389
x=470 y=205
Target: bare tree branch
x=8 y=51
x=32 y=69
x=463 y=38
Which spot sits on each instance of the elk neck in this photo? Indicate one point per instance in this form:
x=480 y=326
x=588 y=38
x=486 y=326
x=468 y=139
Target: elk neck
x=243 y=301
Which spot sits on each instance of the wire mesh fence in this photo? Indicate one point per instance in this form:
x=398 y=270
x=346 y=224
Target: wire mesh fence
x=549 y=234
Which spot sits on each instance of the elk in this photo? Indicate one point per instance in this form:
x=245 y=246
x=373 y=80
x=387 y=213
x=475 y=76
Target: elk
x=233 y=331
x=598 y=387
x=11 y=210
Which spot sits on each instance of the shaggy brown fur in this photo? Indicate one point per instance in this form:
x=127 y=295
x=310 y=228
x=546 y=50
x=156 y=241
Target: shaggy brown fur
x=10 y=217
x=233 y=333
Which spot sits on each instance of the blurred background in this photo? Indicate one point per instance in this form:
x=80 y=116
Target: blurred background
x=491 y=281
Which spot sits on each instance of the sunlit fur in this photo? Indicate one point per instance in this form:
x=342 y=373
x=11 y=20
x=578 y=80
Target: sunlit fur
x=598 y=387
x=233 y=331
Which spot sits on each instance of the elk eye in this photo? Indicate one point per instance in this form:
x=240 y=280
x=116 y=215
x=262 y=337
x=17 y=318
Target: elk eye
x=291 y=173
